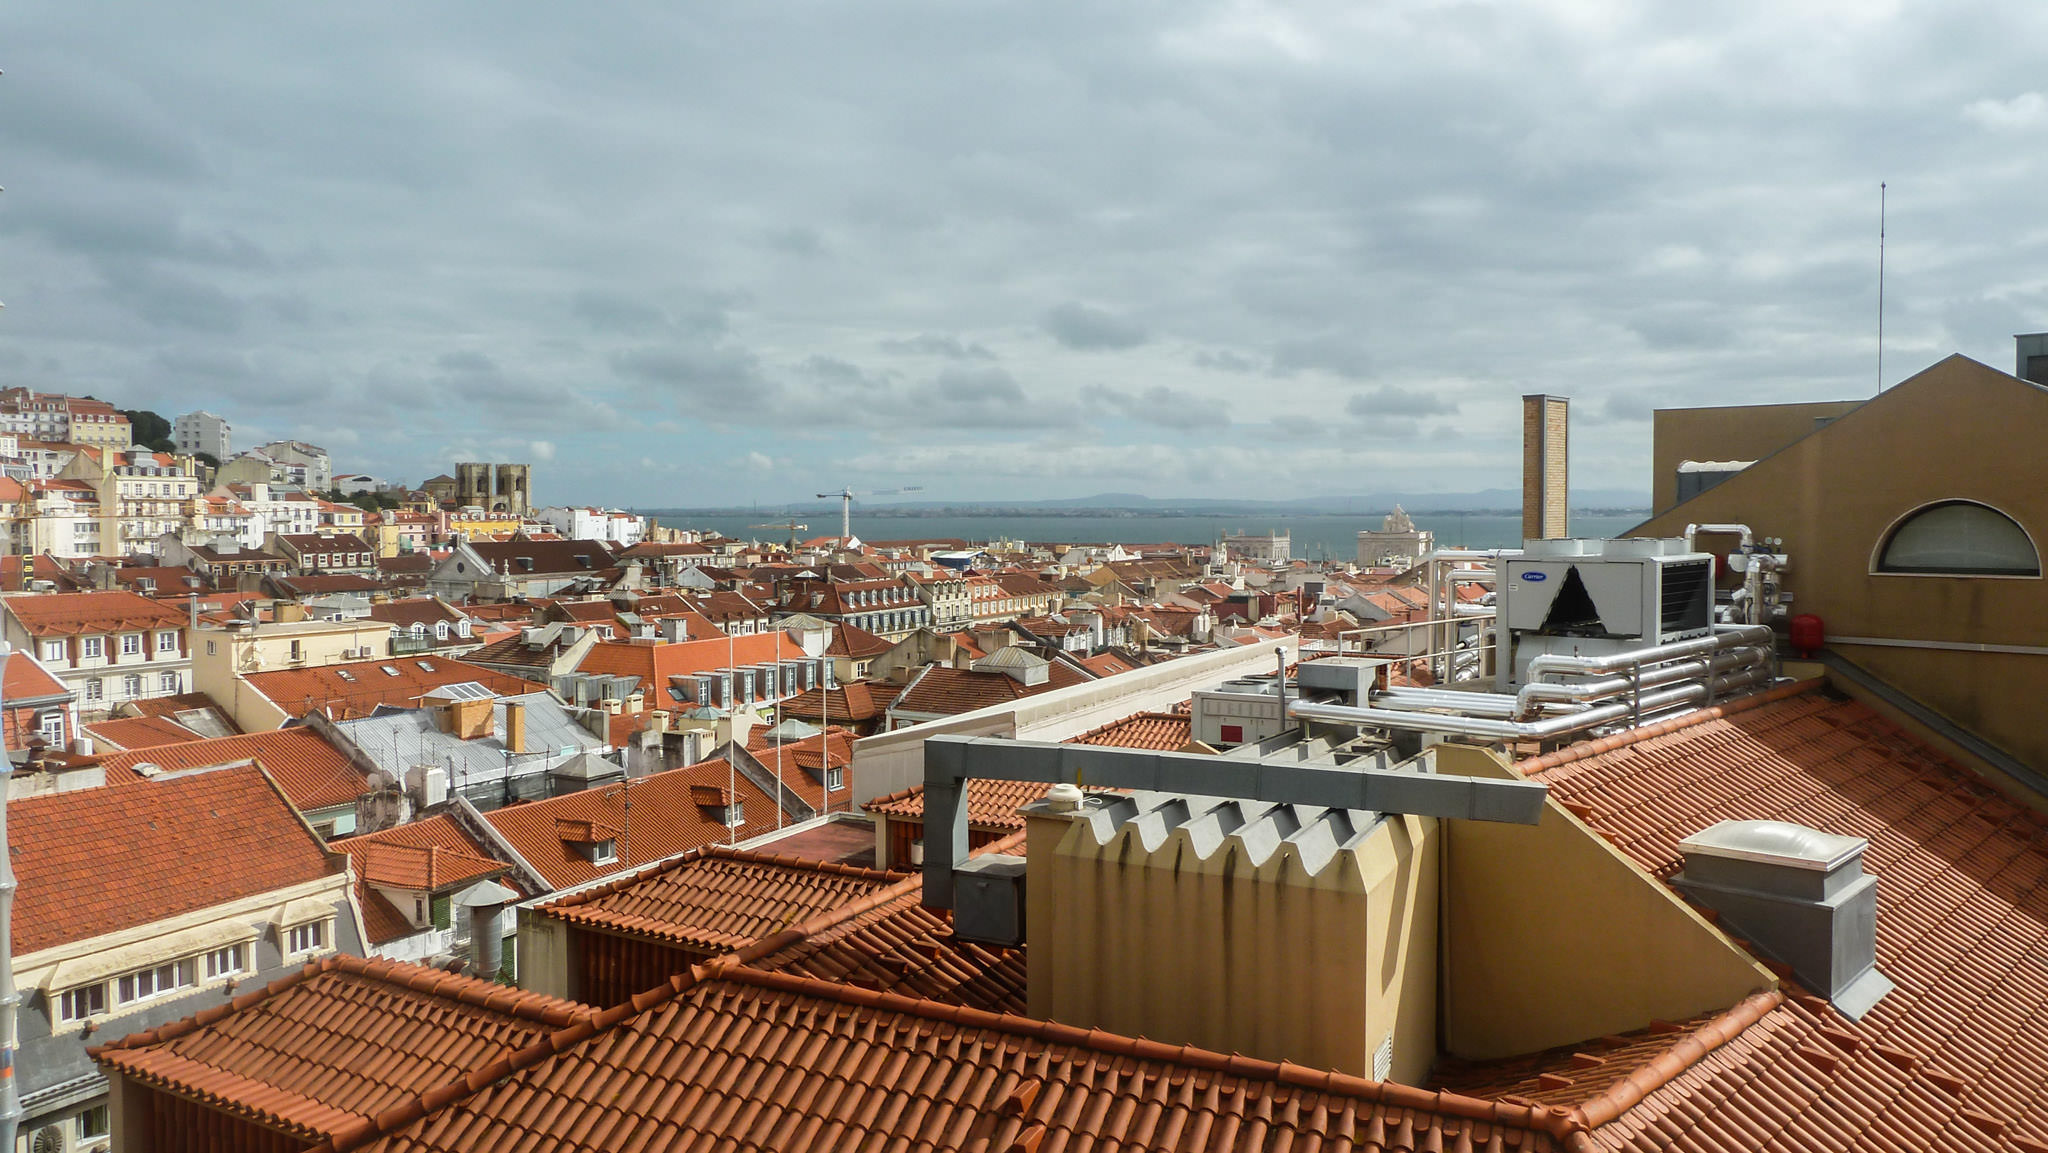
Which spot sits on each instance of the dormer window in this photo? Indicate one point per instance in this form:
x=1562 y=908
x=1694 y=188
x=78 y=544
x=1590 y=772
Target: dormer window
x=604 y=852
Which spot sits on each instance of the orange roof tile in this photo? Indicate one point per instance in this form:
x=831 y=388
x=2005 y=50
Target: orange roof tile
x=140 y=733
x=1165 y=732
x=312 y=772
x=656 y=663
x=82 y=614
x=356 y=689
x=1947 y=1060
x=991 y=805
x=899 y=946
x=334 y=1046
x=666 y=820
x=717 y=899
x=945 y=691
x=95 y=861
x=428 y=855
x=762 y=1060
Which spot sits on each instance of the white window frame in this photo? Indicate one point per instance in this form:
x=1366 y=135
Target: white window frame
x=71 y=1000
x=227 y=961
x=309 y=937
x=131 y=644
x=53 y=650
x=167 y=684
x=51 y=727
x=835 y=778
x=164 y=980
x=736 y=813
x=132 y=685
x=92 y=648
x=167 y=641
x=95 y=690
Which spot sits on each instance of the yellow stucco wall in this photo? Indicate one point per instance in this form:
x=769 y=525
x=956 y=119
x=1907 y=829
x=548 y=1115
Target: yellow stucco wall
x=1733 y=432
x=1958 y=430
x=1551 y=936
x=1266 y=960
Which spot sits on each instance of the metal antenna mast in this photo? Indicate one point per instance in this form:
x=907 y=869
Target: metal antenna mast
x=1880 y=286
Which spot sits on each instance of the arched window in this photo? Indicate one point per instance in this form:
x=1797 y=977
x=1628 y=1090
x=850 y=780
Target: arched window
x=1959 y=538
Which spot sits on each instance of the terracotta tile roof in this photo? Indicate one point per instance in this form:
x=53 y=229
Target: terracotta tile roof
x=991 y=805
x=1105 y=664
x=718 y=899
x=848 y=701
x=899 y=946
x=355 y=689
x=95 y=861
x=181 y=703
x=1164 y=732
x=312 y=772
x=744 y=1058
x=656 y=663
x=139 y=733
x=946 y=691
x=1950 y=1058
x=546 y=556
x=25 y=679
x=332 y=1047
x=855 y=643
x=429 y=855
x=79 y=614
x=666 y=820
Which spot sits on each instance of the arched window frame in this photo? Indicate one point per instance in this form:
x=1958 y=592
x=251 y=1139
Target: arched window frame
x=1891 y=531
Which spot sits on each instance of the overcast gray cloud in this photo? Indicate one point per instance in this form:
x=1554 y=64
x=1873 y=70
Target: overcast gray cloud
x=1006 y=249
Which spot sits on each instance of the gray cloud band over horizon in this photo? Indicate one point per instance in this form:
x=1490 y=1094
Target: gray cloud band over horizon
x=709 y=254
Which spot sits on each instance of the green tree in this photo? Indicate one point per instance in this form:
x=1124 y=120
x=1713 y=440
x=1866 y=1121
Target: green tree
x=149 y=430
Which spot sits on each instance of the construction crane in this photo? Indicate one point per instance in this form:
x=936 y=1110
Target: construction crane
x=793 y=527
x=845 y=497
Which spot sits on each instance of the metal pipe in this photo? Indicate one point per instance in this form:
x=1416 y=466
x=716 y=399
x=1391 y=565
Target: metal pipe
x=1725 y=636
x=1546 y=728
x=1644 y=676
x=1748 y=538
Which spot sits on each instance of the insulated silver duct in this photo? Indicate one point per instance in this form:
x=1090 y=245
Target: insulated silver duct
x=1543 y=729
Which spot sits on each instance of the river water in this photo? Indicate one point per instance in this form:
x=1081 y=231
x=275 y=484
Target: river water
x=1313 y=536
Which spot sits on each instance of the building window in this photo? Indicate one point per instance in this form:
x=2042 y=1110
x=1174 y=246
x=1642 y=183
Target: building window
x=78 y=1004
x=131 y=644
x=306 y=938
x=167 y=684
x=441 y=630
x=736 y=814
x=94 y=1122
x=835 y=779
x=1959 y=538
x=95 y=690
x=53 y=650
x=159 y=981
x=211 y=648
x=92 y=647
x=131 y=685
x=226 y=962
x=167 y=641
x=51 y=727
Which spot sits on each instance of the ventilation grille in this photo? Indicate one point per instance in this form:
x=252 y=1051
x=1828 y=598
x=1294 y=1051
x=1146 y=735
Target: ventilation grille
x=1383 y=1059
x=1688 y=597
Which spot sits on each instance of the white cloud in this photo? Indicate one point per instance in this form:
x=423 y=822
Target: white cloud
x=760 y=462
x=2022 y=111
x=542 y=450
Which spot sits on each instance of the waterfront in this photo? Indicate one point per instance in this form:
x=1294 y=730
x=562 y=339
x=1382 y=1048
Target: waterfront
x=1314 y=536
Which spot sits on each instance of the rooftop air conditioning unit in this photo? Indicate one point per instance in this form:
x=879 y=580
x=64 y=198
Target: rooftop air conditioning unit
x=1595 y=597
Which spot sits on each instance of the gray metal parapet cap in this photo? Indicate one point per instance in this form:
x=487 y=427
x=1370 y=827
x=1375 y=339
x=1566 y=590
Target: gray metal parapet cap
x=950 y=761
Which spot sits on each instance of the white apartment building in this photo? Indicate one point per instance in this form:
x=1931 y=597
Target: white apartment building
x=611 y=526
x=203 y=432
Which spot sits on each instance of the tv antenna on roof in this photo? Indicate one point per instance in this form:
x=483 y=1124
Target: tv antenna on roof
x=1880 y=286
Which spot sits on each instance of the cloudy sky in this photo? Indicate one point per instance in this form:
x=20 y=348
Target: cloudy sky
x=696 y=253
